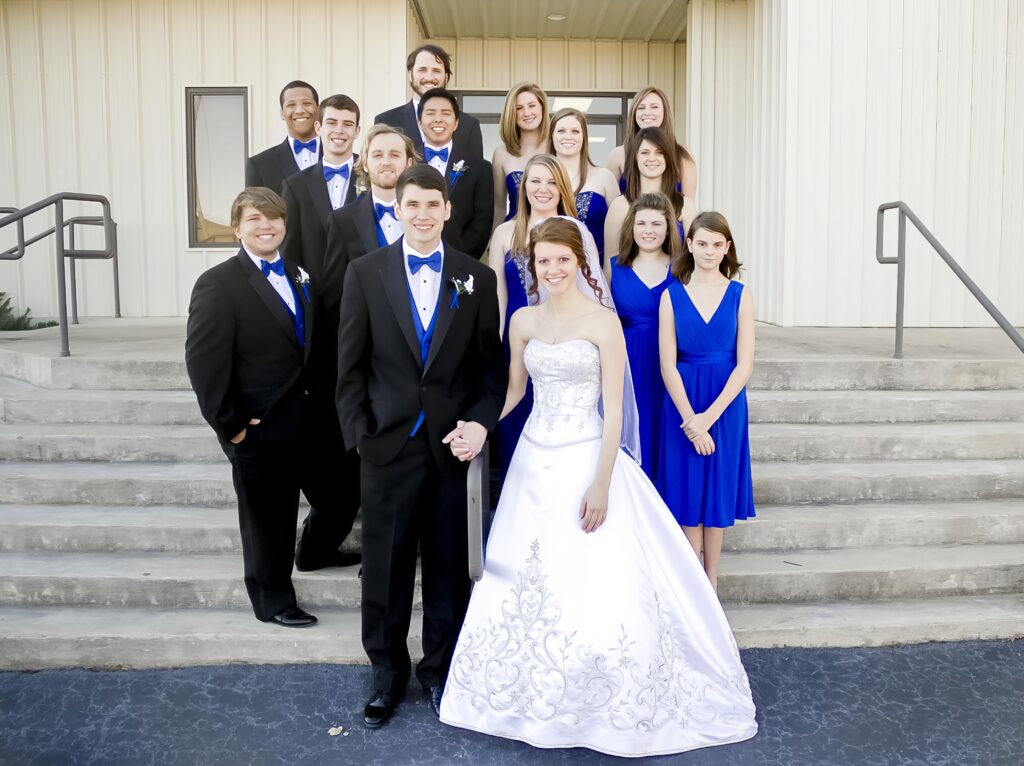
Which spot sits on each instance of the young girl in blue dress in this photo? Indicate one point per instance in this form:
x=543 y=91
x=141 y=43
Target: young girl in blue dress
x=524 y=133
x=594 y=187
x=544 y=192
x=706 y=342
x=638 y=276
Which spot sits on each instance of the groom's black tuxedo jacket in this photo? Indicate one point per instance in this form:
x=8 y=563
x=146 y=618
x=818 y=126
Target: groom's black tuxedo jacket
x=467 y=134
x=472 y=198
x=351 y=234
x=382 y=386
x=242 y=356
x=271 y=166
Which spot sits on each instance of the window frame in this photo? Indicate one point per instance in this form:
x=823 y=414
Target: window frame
x=190 y=92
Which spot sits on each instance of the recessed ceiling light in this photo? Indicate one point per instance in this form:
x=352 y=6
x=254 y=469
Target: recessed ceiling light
x=557 y=17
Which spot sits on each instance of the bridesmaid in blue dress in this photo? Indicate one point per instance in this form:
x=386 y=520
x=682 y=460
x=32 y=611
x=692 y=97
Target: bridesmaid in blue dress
x=650 y=109
x=524 y=133
x=545 y=192
x=594 y=187
x=638 y=276
x=706 y=342
x=651 y=155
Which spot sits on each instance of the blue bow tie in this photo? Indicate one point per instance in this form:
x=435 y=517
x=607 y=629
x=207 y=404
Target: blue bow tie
x=300 y=145
x=330 y=173
x=381 y=210
x=277 y=267
x=430 y=154
x=433 y=261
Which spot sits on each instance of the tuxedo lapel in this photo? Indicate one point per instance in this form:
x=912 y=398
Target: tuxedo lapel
x=269 y=296
x=350 y=191
x=307 y=313
x=318 y=191
x=445 y=313
x=286 y=159
x=365 y=218
x=412 y=125
x=396 y=285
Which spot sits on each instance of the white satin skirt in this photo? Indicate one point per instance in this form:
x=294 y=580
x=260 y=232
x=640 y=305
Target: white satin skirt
x=612 y=640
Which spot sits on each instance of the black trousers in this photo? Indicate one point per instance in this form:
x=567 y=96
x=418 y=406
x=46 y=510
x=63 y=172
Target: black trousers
x=409 y=505
x=268 y=473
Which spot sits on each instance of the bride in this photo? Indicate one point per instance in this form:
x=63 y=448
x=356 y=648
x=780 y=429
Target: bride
x=594 y=624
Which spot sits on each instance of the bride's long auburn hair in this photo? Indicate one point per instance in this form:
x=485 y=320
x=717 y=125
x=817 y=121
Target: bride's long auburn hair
x=559 y=231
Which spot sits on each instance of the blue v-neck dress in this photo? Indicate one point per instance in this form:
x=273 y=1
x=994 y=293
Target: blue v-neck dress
x=637 y=306
x=715 y=490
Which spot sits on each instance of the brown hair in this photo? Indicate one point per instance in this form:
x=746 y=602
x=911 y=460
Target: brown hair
x=666 y=122
x=560 y=231
x=380 y=129
x=664 y=143
x=659 y=203
x=510 y=133
x=682 y=268
x=566 y=201
x=423 y=176
x=438 y=53
x=338 y=101
x=585 y=161
x=266 y=201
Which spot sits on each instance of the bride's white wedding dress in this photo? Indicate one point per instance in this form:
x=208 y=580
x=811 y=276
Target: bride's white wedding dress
x=612 y=640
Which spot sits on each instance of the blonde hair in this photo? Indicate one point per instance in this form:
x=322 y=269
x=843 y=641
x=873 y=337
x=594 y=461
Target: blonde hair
x=510 y=133
x=380 y=129
x=566 y=201
x=266 y=201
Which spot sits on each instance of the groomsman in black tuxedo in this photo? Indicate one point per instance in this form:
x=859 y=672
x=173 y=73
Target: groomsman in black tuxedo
x=419 y=359
x=430 y=66
x=248 y=341
x=470 y=187
x=300 y=148
x=371 y=221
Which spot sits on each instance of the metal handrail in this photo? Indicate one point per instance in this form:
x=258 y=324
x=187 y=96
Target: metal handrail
x=18 y=216
x=901 y=259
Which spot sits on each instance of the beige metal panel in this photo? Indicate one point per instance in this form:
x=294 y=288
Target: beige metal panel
x=553 y=65
x=1010 y=287
x=634 y=65
x=497 y=72
x=607 y=66
x=472 y=62
x=525 y=61
x=582 y=69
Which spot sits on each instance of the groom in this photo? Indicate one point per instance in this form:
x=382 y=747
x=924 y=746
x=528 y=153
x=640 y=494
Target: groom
x=418 y=357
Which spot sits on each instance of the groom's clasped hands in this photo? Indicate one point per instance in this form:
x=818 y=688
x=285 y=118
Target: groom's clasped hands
x=466 y=439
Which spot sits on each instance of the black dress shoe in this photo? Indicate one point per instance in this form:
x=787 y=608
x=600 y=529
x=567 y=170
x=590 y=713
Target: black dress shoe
x=333 y=559
x=434 y=694
x=379 y=709
x=293 y=617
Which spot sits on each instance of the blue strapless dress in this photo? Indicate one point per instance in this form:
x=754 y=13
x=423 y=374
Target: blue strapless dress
x=511 y=426
x=715 y=490
x=512 y=181
x=637 y=306
x=592 y=209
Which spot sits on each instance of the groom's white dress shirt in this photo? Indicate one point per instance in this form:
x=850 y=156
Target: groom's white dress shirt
x=425 y=284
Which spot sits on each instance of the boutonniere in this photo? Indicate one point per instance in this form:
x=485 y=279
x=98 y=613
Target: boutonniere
x=457 y=170
x=303 y=281
x=360 y=189
x=460 y=287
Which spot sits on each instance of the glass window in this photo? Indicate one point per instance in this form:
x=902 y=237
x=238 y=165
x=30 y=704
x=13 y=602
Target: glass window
x=217 y=143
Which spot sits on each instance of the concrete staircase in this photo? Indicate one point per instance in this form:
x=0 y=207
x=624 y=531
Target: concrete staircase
x=890 y=510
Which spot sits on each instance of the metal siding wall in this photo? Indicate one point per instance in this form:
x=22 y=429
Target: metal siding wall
x=831 y=108
x=93 y=100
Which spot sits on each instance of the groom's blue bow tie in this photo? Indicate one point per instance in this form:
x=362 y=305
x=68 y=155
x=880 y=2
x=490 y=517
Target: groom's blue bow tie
x=300 y=145
x=433 y=261
x=430 y=154
x=277 y=267
x=330 y=173
x=381 y=210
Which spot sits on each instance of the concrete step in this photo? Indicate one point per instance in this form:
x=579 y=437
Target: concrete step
x=885 y=441
x=174 y=580
x=119 y=528
x=768 y=442
x=23 y=403
x=884 y=406
x=33 y=638
x=775 y=483
x=90 y=528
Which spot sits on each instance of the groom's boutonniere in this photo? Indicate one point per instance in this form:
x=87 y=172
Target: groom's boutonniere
x=457 y=170
x=303 y=281
x=460 y=287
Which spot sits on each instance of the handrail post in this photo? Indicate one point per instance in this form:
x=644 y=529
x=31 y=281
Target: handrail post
x=74 y=275
x=901 y=272
x=111 y=235
x=62 y=289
